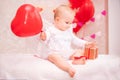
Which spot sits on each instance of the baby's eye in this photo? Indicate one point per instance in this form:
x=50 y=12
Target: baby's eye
x=68 y=22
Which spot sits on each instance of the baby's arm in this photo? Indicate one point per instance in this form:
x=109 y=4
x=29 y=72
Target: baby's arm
x=78 y=42
x=82 y=43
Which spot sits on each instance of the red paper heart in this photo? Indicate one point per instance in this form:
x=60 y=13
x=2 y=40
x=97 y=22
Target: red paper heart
x=27 y=21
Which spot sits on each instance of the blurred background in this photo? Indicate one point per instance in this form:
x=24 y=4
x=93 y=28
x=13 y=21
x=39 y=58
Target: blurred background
x=104 y=28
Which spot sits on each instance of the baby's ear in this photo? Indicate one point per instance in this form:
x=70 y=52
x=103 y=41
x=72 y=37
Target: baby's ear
x=54 y=11
x=57 y=18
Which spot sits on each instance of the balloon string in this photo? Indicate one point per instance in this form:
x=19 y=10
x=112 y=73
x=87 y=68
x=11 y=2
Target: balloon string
x=83 y=32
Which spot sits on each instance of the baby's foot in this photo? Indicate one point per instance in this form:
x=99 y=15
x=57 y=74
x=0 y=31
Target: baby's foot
x=71 y=72
x=81 y=61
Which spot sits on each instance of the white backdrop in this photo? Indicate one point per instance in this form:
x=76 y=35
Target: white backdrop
x=114 y=27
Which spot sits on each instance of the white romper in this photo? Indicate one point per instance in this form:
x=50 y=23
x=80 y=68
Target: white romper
x=59 y=42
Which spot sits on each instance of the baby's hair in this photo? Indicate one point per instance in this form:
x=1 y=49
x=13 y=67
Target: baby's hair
x=59 y=10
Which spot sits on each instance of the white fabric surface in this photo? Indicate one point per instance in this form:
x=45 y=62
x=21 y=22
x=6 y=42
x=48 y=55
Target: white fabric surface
x=15 y=66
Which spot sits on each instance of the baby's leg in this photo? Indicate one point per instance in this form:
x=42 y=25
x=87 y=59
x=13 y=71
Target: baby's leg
x=61 y=63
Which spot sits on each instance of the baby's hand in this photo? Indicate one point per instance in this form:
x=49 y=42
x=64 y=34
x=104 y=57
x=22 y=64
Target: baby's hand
x=90 y=44
x=43 y=36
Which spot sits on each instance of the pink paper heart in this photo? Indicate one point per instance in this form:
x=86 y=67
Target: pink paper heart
x=92 y=19
x=93 y=36
x=82 y=38
x=104 y=12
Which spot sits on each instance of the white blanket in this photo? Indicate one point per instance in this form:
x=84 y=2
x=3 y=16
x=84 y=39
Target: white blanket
x=28 y=67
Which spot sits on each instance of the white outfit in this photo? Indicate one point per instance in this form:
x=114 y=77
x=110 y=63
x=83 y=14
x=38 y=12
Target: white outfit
x=60 y=42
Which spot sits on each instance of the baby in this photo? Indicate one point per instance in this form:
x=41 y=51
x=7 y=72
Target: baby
x=59 y=38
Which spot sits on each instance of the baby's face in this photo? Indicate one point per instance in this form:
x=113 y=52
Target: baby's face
x=64 y=21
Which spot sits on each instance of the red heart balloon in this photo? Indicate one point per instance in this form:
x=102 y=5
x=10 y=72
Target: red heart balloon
x=27 y=21
x=84 y=14
x=77 y=3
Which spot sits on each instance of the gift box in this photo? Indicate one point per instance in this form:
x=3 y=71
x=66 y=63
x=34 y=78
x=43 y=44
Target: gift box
x=91 y=52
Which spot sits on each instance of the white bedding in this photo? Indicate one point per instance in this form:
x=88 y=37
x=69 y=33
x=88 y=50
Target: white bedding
x=15 y=66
